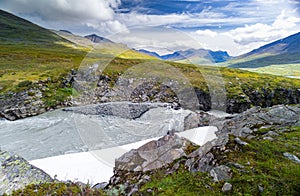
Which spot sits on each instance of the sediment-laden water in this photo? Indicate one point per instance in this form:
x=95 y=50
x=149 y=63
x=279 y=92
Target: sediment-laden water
x=62 y=132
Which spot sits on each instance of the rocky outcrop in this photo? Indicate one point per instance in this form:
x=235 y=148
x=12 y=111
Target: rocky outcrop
x=130 y=168
x=251 y=120
x=122 y=109
x=21 y=105
x=266 y=98
x=16 y=173
x=95 y=89
x=151 y=90
x=30 y=100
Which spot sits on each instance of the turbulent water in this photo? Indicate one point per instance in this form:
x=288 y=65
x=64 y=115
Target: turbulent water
x=61 y=132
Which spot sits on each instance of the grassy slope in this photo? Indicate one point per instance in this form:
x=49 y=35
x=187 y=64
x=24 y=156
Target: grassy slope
x=288 y=70
x=31 y=53
x=281 y=65
x=234 y=80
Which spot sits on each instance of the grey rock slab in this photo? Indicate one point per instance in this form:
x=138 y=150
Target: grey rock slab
x=227 y=187
x=236 y=165
x=240 y=142
x=221 y=172
x=16 y=173
x=292 y=157
x=272 y=133
x=101 y=185
x=153 y=155
x=268 y=138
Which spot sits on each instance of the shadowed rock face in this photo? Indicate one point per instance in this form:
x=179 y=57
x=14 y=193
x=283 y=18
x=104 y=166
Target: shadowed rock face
x=16 y=173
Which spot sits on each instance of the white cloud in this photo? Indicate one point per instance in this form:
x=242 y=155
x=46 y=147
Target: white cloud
x=161 y=40
x=206 y=32
x=109 y=27
x=244 y=39
x=65 y=13
x=284 y=25
x=137 y=20
x=74 y=10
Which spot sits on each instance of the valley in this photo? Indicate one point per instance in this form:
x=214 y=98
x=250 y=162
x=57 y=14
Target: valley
x=180 y=119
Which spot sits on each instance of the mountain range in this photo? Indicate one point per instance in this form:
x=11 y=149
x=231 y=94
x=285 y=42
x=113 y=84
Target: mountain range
x=41 y=70
x=195 y=56
x=283 y=51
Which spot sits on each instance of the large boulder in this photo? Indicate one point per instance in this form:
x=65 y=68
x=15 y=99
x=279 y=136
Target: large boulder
x=154 y=154
x=16 y=173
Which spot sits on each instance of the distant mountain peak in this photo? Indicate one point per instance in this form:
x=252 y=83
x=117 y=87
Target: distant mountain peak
x=97 y=39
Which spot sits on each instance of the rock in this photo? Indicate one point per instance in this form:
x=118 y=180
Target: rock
x=292 y=157
x=122 y=109
x=272 y=133
x=236 y=165
x=246 y=123
x=16 y=173
x=148 y=157
x=191 y=121
x=219 y=142
x=146 y=178
x=205 y=118
x=280 y=114
x=237 y=105
x=134 y=189
x=267 y=98
x=150 y=191
x=221 y=172
x=154 y=154
x=240 y=142
x=268 y=138
x=202 y=164
x=226 y=187
x=204 y=99
x=101 y=185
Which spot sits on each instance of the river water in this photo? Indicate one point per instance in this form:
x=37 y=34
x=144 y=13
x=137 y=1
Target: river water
x=62 y=132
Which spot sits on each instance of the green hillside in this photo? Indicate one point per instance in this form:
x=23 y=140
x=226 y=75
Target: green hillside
x=18 y=30
x=36 y=58
x=276 y=58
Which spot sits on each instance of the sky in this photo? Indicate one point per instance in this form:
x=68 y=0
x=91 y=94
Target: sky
x=166 y=26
